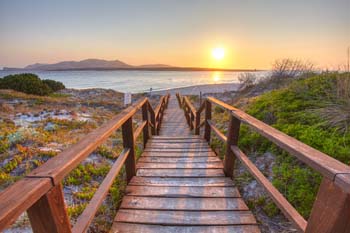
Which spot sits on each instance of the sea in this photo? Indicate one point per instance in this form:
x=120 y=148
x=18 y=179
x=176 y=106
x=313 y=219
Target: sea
x=137 y=81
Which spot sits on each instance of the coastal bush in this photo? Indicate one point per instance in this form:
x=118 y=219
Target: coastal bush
x=292 y=110
x=30 y=84
x=54 y=85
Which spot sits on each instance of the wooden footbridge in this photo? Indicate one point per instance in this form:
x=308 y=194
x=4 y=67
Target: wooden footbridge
x=178 y=184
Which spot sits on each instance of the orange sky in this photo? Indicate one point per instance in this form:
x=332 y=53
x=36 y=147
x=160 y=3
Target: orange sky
x=253 y=33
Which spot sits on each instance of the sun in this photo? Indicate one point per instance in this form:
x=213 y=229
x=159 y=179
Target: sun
x=218 y=53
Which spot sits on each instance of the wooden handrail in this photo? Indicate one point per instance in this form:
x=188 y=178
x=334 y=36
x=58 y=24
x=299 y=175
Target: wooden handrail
x=44 y=183
x=326 y=165
x=89 y=212
x=335 y=187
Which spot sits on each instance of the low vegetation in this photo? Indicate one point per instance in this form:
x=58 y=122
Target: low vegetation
x=30 y=84
x=314 y=110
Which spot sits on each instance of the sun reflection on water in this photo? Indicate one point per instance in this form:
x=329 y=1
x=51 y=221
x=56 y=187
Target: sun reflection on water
x=216 y=76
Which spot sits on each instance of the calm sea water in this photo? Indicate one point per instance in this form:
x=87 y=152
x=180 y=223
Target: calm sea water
x=136 y=81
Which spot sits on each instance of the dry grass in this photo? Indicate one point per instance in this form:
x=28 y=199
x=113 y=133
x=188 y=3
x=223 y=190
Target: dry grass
x=337 y=114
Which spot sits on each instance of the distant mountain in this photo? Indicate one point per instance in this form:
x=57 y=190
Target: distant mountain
x=88 y=64
x=84 y=64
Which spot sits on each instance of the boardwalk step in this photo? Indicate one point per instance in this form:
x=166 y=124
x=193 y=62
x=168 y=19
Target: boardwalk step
x=136 y=228
x=180 y=172
x=216 y=165
x=203 y=181
x=187 y=154
x=182 y=218
x=198 y=159
x=161 y=203
x=176 y=191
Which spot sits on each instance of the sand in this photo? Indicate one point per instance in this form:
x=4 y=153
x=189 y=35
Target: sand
x=205 y=89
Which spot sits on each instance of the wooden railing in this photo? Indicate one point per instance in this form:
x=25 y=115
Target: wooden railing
x=331 y=210
x=40 y=192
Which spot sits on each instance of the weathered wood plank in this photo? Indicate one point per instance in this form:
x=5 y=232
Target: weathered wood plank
x=195 y=150
x=19 y=197
x=185 y=147
x=49 y=213
x=181 y=172
x=179 y=154
x=174 y=141
x=216 y=165
x=176 y=191
x=331 y=210
x=202 y=182
x=200 y=204
x=119 y=227
x=177 y=144
x=163 y=137
x=198 y=159
x=205 y=218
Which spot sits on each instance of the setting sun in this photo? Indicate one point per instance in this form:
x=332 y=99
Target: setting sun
x=218 y=53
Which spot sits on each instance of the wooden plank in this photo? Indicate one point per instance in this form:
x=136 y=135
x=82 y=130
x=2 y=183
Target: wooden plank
x=176 y=137
x=120 y=227
x=177 y=143
x=195 y=150
x=59 y=166
x=84 y=220
x=181 y=172
x=217 y=132
x=288 y=210
x=201 y=182
x=186 y=146
x=217 y=165
x=199 y=204
x=176 y=191
x=326 y=165
x=146 y=128
x=232 y=140
x=179 y=154
x=182 y=218
x=331 y=210
x=189 y=140
x=207 y=118
x=128 y=143
x=198 y=159
x=19 y=197
x=49 y=213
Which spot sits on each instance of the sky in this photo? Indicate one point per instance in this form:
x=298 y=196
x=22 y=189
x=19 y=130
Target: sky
x=253 y=33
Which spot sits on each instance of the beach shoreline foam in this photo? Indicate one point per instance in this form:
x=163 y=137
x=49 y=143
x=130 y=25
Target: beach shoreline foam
x=204 y=89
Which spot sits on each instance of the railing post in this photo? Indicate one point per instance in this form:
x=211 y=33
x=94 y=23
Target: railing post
x=331 y=210
x=145 y=129
x=198 y=119
x=49 y=213
x=232 y=140
x=128 y=142
x=207 y=129
x=191 y=120
x=153 y=121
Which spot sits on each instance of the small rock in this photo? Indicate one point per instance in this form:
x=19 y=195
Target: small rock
x=50 y=127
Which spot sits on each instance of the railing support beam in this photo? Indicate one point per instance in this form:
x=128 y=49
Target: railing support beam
x=49 y=213
x=145 y=129
x=128 y=142
x=331 y=210
x=232 y=140
x=207 y=117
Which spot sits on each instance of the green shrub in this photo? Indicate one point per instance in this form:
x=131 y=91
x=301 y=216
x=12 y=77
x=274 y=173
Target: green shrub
x=291 y=110
x=30 y=84
x=54 y=85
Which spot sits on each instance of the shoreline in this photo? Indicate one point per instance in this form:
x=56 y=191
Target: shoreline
x=203 y=88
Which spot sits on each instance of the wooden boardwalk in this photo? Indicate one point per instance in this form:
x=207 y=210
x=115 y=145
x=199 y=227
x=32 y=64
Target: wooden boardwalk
x=180 y=186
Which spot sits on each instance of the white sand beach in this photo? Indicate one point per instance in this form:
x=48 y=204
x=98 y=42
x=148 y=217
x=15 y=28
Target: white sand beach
x=205 y=89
